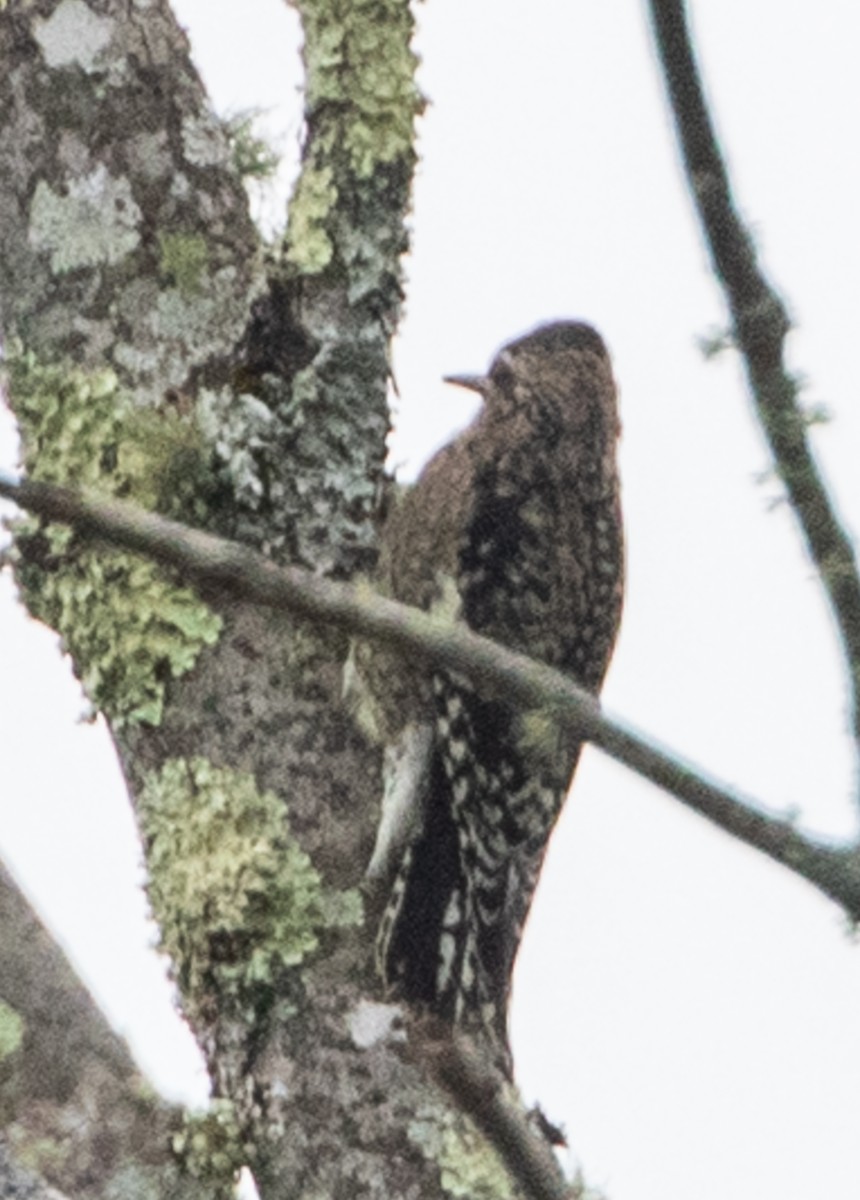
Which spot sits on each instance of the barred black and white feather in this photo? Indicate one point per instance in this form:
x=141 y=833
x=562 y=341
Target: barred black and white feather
x=516 y=526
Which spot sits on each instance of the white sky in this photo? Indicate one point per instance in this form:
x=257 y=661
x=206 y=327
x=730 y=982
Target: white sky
x=689 y=1011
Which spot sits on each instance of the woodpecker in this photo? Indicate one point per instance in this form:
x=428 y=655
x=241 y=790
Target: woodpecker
x=515 y=529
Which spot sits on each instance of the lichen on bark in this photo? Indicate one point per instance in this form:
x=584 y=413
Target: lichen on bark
x=337 y=287
x=238 y=902
x=173 y=387
x=129 y=627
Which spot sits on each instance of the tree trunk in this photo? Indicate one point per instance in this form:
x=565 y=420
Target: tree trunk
x=153 y=352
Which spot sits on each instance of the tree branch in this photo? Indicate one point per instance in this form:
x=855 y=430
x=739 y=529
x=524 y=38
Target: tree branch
x=760 y=324
x=480 y=1092
x=834 y=870
x=74 y=1106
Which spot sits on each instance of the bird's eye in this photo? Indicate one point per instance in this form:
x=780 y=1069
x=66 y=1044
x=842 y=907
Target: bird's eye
x=502 y=373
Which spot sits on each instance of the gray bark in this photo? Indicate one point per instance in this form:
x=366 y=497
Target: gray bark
x=155 y=353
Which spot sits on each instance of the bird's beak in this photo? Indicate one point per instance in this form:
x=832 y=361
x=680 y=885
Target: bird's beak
x=475 y=383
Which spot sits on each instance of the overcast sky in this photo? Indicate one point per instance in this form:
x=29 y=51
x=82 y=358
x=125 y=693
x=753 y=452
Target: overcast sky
x=687 y=1010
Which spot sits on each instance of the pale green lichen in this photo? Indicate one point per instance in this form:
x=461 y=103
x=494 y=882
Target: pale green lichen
x=11 y=1030
x=362 y=98
x=358 y=59
x=128 y=627
x=96 y=220
x=210 y=1148
x=468 y=1164
x=237 y=900
x=309 y=246
x=183 y=260
x=341 y=910
x=125 y=626
x=470 y=1167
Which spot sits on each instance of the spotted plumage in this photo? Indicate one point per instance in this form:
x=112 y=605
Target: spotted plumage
x=514 y=528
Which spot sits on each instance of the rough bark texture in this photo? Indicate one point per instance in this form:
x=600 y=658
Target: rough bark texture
x=73 y=1107
x=153 y=354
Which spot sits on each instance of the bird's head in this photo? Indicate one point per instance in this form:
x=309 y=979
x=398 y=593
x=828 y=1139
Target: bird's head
x=562 y=367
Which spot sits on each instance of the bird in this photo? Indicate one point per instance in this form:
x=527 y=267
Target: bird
x=515 y=529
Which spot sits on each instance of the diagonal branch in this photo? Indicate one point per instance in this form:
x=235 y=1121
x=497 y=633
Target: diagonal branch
x=760 y=325
x=834 y=870
x=480 y=1091
x=76 y=1109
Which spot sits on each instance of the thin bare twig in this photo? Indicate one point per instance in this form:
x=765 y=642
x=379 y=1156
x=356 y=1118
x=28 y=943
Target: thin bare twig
x=480 y=1092
x=760 y=324
x=834 y=870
